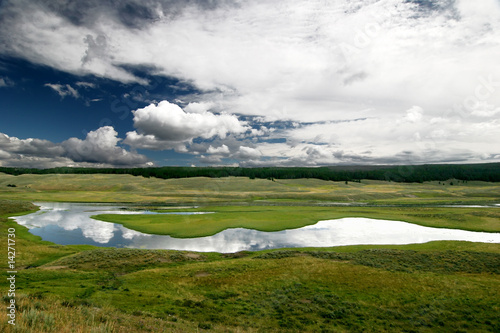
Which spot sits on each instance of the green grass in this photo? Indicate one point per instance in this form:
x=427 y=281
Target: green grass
x=433 y=287
x=31 y=251
x=127 y=188
x=285 y=291
x=406 y=260
x=275 y=218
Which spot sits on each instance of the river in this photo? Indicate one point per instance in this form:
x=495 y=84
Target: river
x=71 y=223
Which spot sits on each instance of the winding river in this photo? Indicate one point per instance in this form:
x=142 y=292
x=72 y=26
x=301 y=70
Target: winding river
x=71 y=223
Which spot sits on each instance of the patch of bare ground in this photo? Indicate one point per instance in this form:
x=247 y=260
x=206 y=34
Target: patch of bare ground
x=52 y=268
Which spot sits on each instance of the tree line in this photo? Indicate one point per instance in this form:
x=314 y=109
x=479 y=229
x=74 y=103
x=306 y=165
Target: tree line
x=402 y=173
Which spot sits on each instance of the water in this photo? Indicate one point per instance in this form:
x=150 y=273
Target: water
x=68 y=223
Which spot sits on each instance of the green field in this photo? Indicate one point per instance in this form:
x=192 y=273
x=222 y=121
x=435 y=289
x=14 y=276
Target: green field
x=437 y=286
x=276 y=218
x=127 y=188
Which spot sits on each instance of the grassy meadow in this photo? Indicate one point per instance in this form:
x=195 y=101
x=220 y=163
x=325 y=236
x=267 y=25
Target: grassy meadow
x=237 y=190
x=276 y=218
x=437 y=286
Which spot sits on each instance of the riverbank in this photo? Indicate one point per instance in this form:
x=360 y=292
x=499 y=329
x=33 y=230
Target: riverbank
x=276 y=218
x=71 y=223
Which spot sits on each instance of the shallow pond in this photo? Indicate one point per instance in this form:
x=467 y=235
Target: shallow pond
x=70 y=223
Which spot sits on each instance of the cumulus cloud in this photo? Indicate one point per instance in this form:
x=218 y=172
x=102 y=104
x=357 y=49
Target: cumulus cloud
x=98 y=149
x=35 y=147
x=215 y=154
x=196 y=107
x=167 y=125
x=100 y=146
x=211 y=159
x=150 y=142
x=261 y=131
x=222 y=150
x=414 y=114
x=413 y=138
x=248 y=153
x=24 y=161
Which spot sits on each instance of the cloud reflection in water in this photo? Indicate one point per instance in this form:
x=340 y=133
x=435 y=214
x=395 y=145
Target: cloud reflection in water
x=68 y=223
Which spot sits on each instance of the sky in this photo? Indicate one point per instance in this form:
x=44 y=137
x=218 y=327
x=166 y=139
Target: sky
x=137 y=83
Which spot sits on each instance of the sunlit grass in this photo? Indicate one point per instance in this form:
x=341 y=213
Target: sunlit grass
x=37 y=313
x=275 y=218
x=433 y=287
x=127 y=188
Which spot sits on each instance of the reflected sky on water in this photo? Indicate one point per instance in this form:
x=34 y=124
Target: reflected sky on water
x=70 y=223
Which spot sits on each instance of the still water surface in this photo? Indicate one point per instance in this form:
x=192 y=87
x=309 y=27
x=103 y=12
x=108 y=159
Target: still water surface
x=70 y=223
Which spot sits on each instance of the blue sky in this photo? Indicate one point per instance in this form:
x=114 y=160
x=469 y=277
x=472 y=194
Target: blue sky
x=133 y=83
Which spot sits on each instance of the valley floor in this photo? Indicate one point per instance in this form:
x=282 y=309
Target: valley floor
x=437 y=286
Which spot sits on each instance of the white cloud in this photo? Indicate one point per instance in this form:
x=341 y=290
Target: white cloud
x=86 y=84
x=222 y=150
x=248 y=153
x=166 y=124
x=484 y=110
x=35 y=147
x=265 y=49
x=478 y=14
x=45 y=37
x=23 y=161
x=293 y=60
x=263 y=130
x=100 y=146
x=148 y=141
x=414 y=114
x=63 y=90
x=99 y=149
x=412 y=138
x=198 y=107
x=280 y=58
x=212 y=159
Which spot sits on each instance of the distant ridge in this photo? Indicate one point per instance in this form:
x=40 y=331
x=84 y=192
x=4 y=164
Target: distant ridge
x=489 y=172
